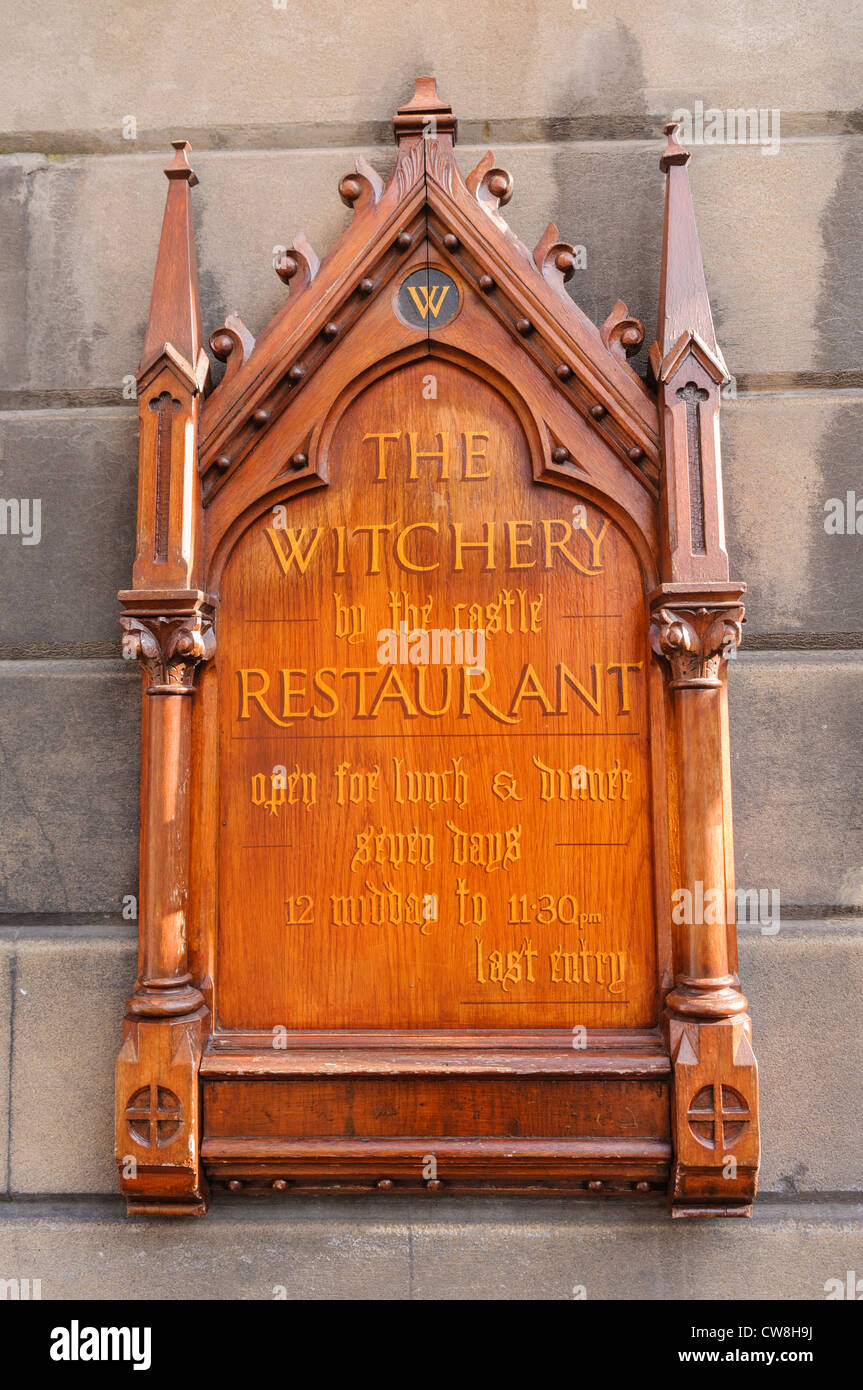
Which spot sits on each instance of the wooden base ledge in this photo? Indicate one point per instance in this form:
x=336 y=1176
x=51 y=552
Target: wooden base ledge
x=407 y=1164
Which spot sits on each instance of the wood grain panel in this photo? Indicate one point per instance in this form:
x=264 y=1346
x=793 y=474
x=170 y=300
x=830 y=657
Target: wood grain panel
x=454 y=1106
x=346 y=903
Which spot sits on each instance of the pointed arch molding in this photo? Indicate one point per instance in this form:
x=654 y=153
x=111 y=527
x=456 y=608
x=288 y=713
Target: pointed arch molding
x=434 y=1028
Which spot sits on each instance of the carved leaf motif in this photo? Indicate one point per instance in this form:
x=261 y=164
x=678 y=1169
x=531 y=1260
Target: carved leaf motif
x=491 y=186
x=170 y=649
x=696 y=641
x=439 y=163
x=622 y=334
x=408 y=168
x=554 y=258
x=299 y=263
x=232 y=344
x=362 y=188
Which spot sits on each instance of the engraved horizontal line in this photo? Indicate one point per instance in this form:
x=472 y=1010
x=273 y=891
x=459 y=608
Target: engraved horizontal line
x=591 y=844
x=591 y=615
x=316 y=738
x=84 y=1210
x=568 y=1003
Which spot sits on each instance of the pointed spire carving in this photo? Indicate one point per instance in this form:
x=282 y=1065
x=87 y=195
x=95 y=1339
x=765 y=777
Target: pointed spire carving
x=684 y=305
x=171 y=379
x=688 y=369
x=174 y=323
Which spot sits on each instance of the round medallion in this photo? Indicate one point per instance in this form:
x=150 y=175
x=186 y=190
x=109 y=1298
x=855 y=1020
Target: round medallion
x=428 y=298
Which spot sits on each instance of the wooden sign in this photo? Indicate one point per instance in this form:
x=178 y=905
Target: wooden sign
x=432 y=603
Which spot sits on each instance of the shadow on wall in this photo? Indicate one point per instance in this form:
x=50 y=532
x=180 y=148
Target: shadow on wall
x=610 y=202
x=839 y=318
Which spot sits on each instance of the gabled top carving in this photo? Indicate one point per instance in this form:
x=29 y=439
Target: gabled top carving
x=425 y=213
x=427 y=195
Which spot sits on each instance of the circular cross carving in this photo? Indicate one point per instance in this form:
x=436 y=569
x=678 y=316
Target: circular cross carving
x=153 y=1115
x=428 y=298
x=718 y=1116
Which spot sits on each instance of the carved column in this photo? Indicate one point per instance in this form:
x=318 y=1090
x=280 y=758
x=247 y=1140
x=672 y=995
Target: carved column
x=158 y=1121
x=170 y=637
x=696 y=617
x=715 y=1086
x=167 y=624
x=696 y=629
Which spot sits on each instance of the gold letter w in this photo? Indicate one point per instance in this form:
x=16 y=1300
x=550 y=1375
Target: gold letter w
x=429 y=294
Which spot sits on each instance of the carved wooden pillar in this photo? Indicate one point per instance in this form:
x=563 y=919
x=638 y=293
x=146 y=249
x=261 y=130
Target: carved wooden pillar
x=170 y=636
x=696 y=626
x=168 y=627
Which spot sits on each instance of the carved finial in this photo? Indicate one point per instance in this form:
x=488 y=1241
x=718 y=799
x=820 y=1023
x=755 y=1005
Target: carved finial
x=362 y=188
x=554 y=258
x=233 y=344
x=622 y=334
x=180 y=168
x=174 y=322
x=491 y=186
x=425 y=114
x=297 y=263
x=684 y=306
x=673 y=153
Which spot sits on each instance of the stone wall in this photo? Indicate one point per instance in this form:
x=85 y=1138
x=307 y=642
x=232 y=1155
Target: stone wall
x=277 y=102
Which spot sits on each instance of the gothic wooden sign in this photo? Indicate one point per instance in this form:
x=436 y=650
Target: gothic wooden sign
x=432 y=603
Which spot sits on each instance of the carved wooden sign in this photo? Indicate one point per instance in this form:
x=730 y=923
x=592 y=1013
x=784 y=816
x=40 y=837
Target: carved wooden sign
x=432 y=603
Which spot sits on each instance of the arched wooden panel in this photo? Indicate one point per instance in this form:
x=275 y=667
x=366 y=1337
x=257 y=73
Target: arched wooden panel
x=483 y=816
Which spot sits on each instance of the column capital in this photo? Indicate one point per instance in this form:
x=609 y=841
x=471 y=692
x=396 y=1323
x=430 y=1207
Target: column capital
x=696 y=627
x=170 y=634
